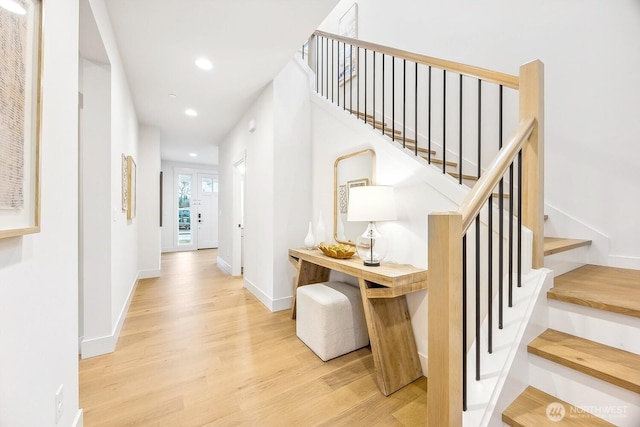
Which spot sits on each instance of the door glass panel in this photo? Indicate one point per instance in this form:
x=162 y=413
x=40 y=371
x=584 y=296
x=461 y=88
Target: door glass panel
x=184 y=210
x=207 y=185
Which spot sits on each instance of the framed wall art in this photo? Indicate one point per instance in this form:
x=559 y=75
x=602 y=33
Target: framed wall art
x=20 y=116
x=131 y=188
x=124 y=182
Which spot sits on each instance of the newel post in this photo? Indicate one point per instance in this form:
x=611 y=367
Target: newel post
x=444 y=389
x=532 y=106
x=311 y=52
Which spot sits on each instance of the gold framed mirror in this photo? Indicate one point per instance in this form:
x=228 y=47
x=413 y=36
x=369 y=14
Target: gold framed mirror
x=350 y=170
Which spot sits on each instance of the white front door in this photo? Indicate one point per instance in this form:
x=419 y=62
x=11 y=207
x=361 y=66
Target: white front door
x=206 y=218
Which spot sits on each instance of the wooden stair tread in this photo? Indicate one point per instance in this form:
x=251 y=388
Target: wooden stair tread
x=464 y=176
x=604 y=288
x=434 y=160
x=554 y=245
x=618 y=367
x=530 y=410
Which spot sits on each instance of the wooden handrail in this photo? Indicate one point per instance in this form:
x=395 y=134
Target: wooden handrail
x=503 y=79
x=480 y=192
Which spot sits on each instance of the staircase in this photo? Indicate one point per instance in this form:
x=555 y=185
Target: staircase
x=589 y=354
x=599 y=288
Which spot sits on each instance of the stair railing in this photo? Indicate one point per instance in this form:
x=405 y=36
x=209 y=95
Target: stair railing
x=355 y=75
x=446 y=395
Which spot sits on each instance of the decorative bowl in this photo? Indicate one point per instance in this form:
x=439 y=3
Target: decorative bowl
x=339 y=251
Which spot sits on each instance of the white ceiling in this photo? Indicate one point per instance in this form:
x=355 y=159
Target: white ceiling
x=248 y=41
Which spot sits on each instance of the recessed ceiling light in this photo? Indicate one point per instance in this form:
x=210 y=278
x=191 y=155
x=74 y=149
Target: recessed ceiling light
x=12 y=6
x=193 y=155
x=191 y=112
x=204 y=64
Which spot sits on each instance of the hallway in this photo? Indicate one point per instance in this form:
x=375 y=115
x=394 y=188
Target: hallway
x=198 y=349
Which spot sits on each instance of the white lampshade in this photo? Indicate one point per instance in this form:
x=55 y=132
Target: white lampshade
x=371 y=203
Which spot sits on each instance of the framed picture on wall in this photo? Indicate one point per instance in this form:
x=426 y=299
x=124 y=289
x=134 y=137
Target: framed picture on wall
x=20 y=117
x=355 y=183
x=124 y=182
x=131 y=188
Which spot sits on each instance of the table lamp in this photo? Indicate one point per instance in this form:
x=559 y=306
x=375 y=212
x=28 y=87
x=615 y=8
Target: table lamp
x=371 y=203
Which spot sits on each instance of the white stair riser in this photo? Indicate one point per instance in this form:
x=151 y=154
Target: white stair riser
x=612 y=329
x=564 y=262
x=607 y=401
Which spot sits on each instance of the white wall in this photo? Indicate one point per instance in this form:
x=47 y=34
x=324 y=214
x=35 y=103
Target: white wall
x=123 y=257
x=149 y=202
x=590 y=53
x=334 y=134
x=278 y=182
x=169 y=231
x=95 y=208
x=39 y=272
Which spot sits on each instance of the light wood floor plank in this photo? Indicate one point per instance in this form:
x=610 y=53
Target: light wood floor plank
x=197 y=349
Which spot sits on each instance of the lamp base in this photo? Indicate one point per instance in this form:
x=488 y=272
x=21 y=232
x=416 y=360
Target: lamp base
x=372 y=263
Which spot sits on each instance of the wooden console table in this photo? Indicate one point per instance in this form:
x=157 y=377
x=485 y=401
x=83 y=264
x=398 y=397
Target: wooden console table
x=383 y=289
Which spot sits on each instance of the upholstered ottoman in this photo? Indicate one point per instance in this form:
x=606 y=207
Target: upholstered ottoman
x=330 y=319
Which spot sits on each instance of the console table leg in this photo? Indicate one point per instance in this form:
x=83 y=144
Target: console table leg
x=393 y=345
x=308 y=273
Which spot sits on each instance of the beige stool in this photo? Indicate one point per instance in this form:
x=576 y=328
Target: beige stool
x=330 y=319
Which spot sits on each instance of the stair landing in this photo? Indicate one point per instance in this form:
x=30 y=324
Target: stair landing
x=605 y=288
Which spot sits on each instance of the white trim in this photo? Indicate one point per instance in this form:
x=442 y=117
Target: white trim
x=149 y=274
x=107 y=344
x=624 y=261
x=79 y=419
x=223 y=265
x=423 y=362
x=273 y=305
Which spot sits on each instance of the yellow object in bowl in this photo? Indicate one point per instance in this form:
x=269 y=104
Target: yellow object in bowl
x=340 y=251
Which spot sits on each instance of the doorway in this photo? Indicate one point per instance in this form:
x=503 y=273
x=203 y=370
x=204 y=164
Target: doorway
x=239 y=172
x=197 y=205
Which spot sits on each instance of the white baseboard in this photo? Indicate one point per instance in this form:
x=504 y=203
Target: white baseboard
x=79 y=420
x=107 y=344
x=273 y=305
x=223 y=265
x=149 y=274
x=623 y=261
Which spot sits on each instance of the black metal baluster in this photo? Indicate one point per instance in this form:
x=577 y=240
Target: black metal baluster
x=358 y=86
x=479 y=128
x=520 y=218
x=415 y=123
x=511 y=235
x=429 y=120
x=326 y=74
x=333 y=48
x=460 y=136
x=344 y=76
x=382 y=126
x=351 y=79
x=444 y=121
x=365 y=86
x=404 y=103
x=490 y=276
x=373 y=96
x=393 y=98
x=500 y=227
x=464 y=322
x=478 y=298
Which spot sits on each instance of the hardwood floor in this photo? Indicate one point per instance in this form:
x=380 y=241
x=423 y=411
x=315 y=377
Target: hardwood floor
x=197 y=349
